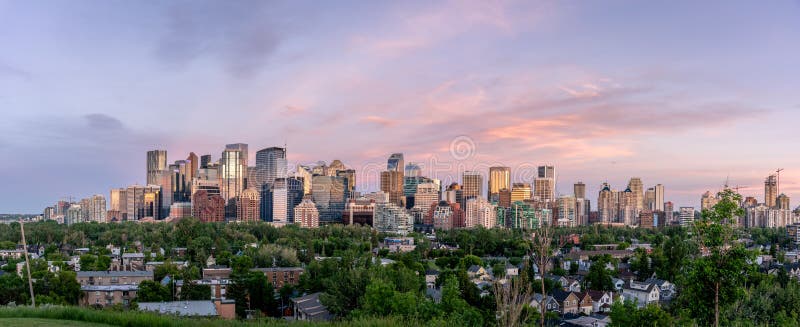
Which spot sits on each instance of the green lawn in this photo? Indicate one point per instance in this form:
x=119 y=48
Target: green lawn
x=37 y=322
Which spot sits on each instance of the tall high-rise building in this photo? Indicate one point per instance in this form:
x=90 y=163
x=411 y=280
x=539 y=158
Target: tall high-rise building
x=395 y=163
x=280 y=202
x=413 y=170
x=142 y=202
x=659 y=201
x=606 y=204
x=637 y=188
x=328 y=193
x=783 y=202
x=156 y=161
x=248 y=205
x=580 y=190
x=480 y=212
x=119 y=201
x=392 y=183
x=305 y=173
x=294 y=195
x=546 y=172
x=426 y=195
x=669 y=213
x=192 y=166
x=208 y=207
x=687 y=216
x=233 y=172
x=566 y=211
x=628 y=211
x=349 y=176
x=165 y=182
x=472 y=185
x=499 y=178
x=771 y=191
x=306 y=214
x=97 y=208
x=504 y=198
x=270 y=165
x=708 y=200
x=520 y=192
x=543 y=189
x=650 y=199
x=544 y=185
x=205 y=160
x=393 y=219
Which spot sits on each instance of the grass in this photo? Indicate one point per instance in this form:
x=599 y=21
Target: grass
x=38 y=322
x=77 y=316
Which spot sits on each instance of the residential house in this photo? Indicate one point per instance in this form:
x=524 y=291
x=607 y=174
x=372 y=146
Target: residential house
x=309 y=308
x=430 y=278
x=585 y=303
x=642 y=294
x=573 y=285
x=567 y=301
x=618 y=284
x=550 y=303
x=399 y=244
x=477 y=274
x=601 y=301
x=665 y=288
x=132 y=261
x=511 y=270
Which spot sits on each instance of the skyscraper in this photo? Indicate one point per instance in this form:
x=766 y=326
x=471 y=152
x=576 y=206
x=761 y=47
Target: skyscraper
x=156 y=161
x=650 y=199
x=566 y=211
x=248 y=205
x=771 y=191
x=395 y=163
x=708 y=200
x=205 y=160
x=208 y=207
x=97 y=208
x=119 y=202
x=232 y=172
x=480 y=212
x=499 y=178
x=606 y=206
x=413 y=170
x=659 y=197
x=349 y=176
x=193 y=164
x=637 y=188
x=280 y=202
x=306 y=214
x=783 y=202
x=270 y=164
x=390 y=218
x=328 y=194
x=687 y=216
x=580 y=190
x=472 y=185
x=520 y=192
x=143 y=201
x=544 y=184
x=392 y=183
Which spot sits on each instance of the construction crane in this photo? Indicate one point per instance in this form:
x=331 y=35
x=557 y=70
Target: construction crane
x=778 y=186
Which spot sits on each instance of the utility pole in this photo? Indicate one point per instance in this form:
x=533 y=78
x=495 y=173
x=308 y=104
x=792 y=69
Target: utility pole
x=27 y=262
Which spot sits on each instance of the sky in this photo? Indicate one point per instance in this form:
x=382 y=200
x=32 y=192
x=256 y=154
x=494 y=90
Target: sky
x=681 y=93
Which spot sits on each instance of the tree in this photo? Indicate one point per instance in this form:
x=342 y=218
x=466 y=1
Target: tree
x=573 y=268
x=599 y=278
x=511 y=299
x=627 y=314
x=12 y=289
x=152 y=291
x=715 y=277
x=192 y=291
x=542 y=255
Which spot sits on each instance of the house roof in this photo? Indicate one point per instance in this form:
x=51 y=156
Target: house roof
x=109 y=288
x=115 y=274
x=596 y=295
x=659 y=282
x=181 y=308
x=432 y=272
x=311 y=306
x=277 y=269
x=474 y=268
x=560 y=295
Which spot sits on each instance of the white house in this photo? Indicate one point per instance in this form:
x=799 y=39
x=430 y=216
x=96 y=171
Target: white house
x=641 y=293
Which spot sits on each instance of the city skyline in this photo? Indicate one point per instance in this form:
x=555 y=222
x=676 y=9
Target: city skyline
x=88 y=88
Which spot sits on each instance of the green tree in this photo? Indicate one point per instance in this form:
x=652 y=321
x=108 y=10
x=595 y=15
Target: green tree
x=715 y=279
x=599 y=277
x=152 y=291
x=191 y=291
x=13 y=289
x=628 y=315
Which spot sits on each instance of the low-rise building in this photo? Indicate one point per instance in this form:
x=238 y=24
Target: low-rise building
x=280 y=276
x=111 y=278
x=107 y=295
x=215 y=308
x=640 y=293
